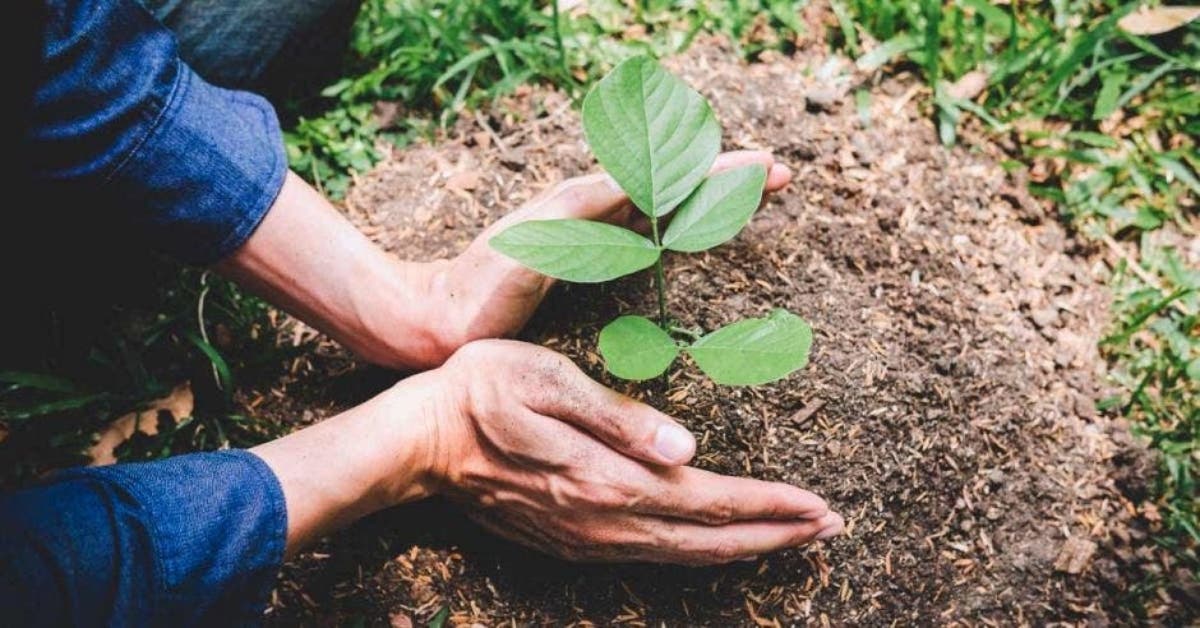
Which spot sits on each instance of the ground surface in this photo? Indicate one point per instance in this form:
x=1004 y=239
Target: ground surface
x=948 y=410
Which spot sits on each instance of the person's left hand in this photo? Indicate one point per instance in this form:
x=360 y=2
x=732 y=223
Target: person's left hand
x=490 y=295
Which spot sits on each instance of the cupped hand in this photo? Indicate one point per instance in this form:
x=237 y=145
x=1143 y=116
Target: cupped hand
x=541 y=454
x=488 y=295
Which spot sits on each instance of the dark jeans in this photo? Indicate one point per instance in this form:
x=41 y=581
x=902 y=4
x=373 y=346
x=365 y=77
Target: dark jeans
x=280 y=48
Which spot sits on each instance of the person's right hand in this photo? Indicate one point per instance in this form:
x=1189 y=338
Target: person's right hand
x=482 y=293
x=543 y=455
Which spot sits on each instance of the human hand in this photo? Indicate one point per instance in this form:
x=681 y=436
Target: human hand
x=543 y=455
x=485 y=294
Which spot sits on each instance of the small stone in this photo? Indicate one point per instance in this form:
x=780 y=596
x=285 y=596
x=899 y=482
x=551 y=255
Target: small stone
x=400 y=620
x=514 y=159
x=464 y=181
x=863 y=150
x=1044 y=317
x=822 y=99
x=1074 y=555
x=969 y=86
x=996 y=477
x=1085 y=407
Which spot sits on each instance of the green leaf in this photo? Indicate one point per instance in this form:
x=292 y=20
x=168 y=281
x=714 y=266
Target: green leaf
x=655 y=135
x=440 y=617
x=862 y=102
x=576 y=250
x=635 y=348
x=1106 y=100
x=846 y=23
x=1193 y=369
x=224 y=374
x=993 y=15
x=886 y=51
x=1091 y=138
x=717 y=210
x=754 y=351
x=1180 y=171
x=36 y=380
x=51 y=407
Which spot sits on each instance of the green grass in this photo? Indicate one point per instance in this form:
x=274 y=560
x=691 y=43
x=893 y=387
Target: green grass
x=439 y=57
x=85 y=364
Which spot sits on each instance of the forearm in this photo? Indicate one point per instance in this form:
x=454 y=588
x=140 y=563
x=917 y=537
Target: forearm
x=368 y=458
x=308 y=259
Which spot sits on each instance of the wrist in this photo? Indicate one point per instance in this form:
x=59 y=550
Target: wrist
x=373 y=456
x=418 y=432
x=442 y=312
x=399 y=317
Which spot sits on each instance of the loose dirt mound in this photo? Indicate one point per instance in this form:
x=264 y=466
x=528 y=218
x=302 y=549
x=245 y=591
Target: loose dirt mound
x=947 y=412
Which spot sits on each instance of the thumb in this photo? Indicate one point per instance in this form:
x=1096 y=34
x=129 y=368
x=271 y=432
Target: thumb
x=589 y=197
x=628 y=426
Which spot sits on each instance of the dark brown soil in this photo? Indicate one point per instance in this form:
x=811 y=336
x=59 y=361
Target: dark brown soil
x=948 y=411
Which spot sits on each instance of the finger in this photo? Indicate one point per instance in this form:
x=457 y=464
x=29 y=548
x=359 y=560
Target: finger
x=778 y=175
x=738 y=158
x=598 y=197
x=590 y=197
x=630 y=427
x=703 y=496
x=698 y=544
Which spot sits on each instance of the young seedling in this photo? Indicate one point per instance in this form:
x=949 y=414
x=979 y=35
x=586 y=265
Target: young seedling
x=658 y=139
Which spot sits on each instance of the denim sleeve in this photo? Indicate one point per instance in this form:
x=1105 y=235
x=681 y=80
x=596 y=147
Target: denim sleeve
x=120 y=121
x=191 y=540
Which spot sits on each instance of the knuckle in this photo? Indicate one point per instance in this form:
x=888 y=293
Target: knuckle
x=667 y=536
x=552 y=369
x=620 y=498
x=721 y=510
x=476 y=351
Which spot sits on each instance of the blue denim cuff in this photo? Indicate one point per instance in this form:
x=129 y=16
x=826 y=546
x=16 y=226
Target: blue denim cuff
x=207 y=172
x=216 y=527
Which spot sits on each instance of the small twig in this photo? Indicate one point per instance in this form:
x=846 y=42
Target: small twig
x=1133 y=265
x=492 y=132
x=691 y=333
x=807 y=412
x=200 y=321
x=317 y=177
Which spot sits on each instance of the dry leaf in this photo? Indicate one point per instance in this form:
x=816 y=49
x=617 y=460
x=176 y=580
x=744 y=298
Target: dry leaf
x=179 y=403
x=1074 y=555
x=464 y=181
x=1157 y=20
x=969 y=86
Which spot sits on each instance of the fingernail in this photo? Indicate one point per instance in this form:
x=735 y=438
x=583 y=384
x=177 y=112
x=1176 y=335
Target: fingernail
x=749 y=559
x=674 y=443
x=829 y=532
x=613 y=185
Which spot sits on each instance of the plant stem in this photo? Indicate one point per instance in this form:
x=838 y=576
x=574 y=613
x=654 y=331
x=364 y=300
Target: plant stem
x=660 y=277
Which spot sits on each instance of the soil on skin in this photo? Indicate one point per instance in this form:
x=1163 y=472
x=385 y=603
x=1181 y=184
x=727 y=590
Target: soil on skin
x=948 y=410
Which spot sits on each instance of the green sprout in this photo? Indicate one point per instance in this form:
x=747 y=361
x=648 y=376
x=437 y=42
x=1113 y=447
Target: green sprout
x=658 y=138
